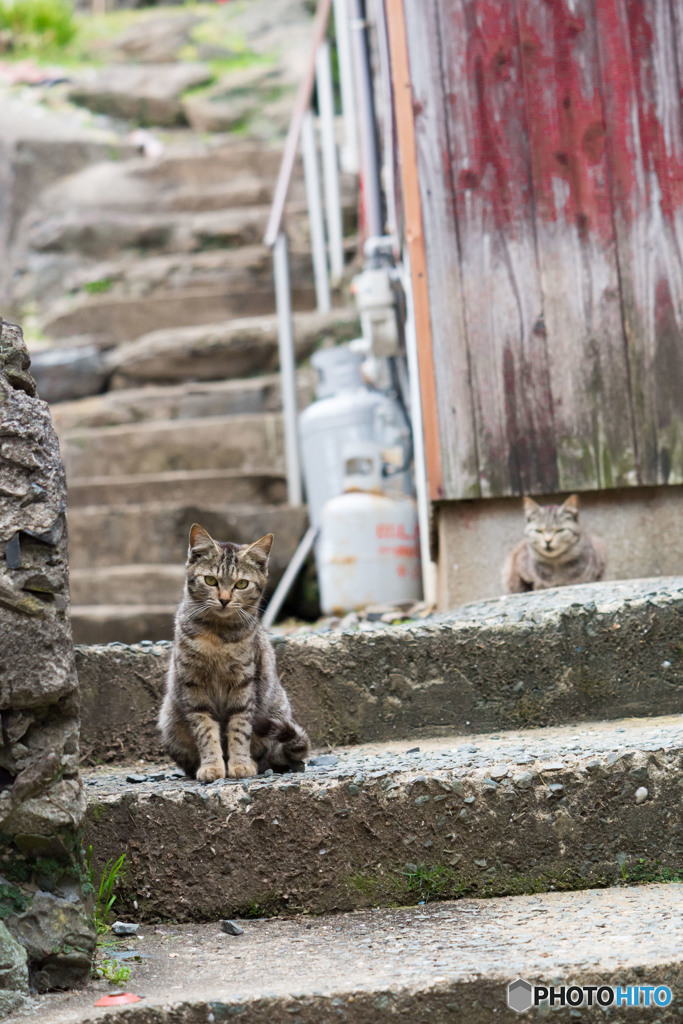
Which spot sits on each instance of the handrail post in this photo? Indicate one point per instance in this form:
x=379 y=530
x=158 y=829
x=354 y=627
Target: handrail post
x=285 y=339
x=335 y=232
x=368 y=149
x=342 y=32
x=309 y=151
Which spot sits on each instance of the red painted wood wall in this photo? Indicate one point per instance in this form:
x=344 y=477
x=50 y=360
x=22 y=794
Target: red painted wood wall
x=549 y=141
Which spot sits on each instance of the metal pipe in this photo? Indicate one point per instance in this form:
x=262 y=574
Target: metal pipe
x=316 y=224
x=285 y=340
x=349 y=152
x=372 y=194
x=328 y=147
x=288 y=577
x=429 y=570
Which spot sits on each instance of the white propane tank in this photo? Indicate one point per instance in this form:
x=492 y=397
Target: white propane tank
x=349 y=412
x=369 y=548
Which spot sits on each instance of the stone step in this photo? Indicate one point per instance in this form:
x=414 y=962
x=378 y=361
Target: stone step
x=223 y=351
x=181 y=401
x=106 y=535
x=101 y=233
x=251 y=442
x=127 y=622
x=119 y=318
x=574 y=654
x=249 y=266
x=443 y=963
x=520 y=813
x=234 y=487
x=117 y=585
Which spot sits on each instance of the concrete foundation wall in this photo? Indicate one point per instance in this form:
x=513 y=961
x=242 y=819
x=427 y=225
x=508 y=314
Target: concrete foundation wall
x=642 y=527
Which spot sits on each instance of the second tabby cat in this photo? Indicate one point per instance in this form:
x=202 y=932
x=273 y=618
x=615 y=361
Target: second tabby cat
x=555 y=550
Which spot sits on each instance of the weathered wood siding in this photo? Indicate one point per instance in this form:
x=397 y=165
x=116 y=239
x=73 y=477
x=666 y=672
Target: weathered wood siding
x=550 y=152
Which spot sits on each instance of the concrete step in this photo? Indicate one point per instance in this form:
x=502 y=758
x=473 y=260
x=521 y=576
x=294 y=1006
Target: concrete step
x=45 y=277
x=444 y=963
x=116 y=318
x=574 y=654
x=105 y=535
x=116 y=585
x=101 y=233
x=184 y=486
x=211 y=442
x=574 y=809
x=223 y=351
x=181 y=401
x=128 y=622
x=250 y=266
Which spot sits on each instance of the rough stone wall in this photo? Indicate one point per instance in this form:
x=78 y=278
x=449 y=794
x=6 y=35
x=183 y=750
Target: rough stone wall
x=46 y=935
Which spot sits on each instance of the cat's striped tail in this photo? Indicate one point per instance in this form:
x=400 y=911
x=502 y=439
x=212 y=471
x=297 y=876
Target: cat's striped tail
x=289 y=744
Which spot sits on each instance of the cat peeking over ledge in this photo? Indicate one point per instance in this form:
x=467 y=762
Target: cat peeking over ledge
x=555 y=551
x=224 y=701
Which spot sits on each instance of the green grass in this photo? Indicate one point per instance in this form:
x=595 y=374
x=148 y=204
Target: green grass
x=104 y=893
x=112 y=970
x=105 y=284
x=38 y=25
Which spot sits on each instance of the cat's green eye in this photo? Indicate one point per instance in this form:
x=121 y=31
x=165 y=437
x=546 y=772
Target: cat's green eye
x=241 y=584
x=211 y=581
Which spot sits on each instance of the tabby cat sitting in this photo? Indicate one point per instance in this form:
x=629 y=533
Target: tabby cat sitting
x=555 y=550
x=224 y=700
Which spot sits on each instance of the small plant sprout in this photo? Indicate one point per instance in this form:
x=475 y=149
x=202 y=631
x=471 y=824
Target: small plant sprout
x=113 y=971
x=104 y=894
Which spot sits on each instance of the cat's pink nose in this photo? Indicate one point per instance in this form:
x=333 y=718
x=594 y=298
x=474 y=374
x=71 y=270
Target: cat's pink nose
x=224 y=601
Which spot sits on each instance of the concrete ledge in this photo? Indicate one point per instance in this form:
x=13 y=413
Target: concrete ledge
x=446 y=963
x=521 y=813
x=571 y=654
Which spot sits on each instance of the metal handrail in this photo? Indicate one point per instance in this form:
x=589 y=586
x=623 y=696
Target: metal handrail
x=303 y=101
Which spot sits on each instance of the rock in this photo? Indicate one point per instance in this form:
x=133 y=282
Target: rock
x=231 y=928
x=156 y=40
x=323 y=759
x=58 y=938
x=213 y=112
x=136 y=778
x=124 y=928
x=148 y=95
x=641 y=795
x=42 y=802
x=63 y=374
x=499 y=771
x=13 y=969
x=413 y=750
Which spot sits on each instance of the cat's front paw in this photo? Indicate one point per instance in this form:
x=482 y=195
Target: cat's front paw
x=211 y=772
x=241 y=770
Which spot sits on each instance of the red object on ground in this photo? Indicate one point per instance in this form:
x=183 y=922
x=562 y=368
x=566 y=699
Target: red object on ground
x=125 y=997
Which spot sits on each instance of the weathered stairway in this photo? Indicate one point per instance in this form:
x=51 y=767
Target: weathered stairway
x=466 y=780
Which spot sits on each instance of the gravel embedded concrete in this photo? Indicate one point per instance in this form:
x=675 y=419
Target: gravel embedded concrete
x=444 y=963
x=571 y=654
x=520 y=812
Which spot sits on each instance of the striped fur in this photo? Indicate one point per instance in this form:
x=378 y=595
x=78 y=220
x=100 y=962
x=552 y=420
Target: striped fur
x=224 y=700
x=555 y=550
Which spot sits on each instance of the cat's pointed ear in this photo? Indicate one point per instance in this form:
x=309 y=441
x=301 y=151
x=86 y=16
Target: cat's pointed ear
x=530 y=508
x=200 y=540
x=571 y=505
x=260 y=549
